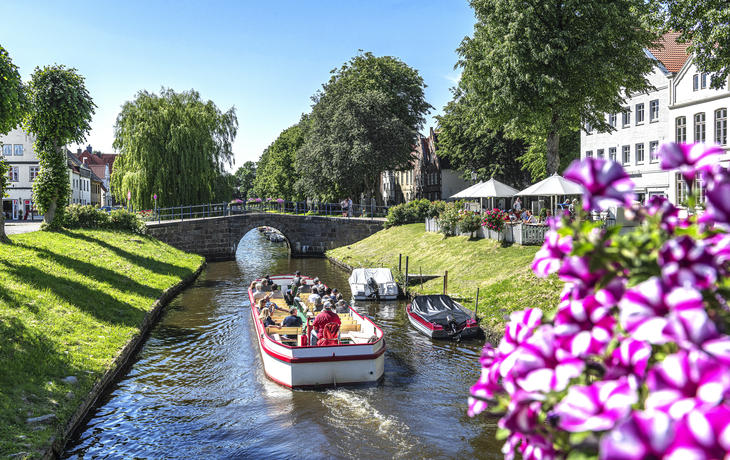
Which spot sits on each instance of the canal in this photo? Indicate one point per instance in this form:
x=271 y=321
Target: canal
x=197 y=390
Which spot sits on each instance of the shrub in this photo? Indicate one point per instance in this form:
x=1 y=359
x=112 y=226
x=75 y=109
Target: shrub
x=493 y=220
x=435 y=209
x=469 y=222
x=407 y=213
x=449 y=219
x=78 y=216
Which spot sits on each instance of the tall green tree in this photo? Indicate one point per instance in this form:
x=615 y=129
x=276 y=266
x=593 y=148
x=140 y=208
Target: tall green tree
x=533 y=160
x=13 y=106
x=364 y=121
x=705 y=24
x=276 y=170
x=60 y=113
x=471 y=147
x=542 y=68
x=245 y=176
x=174 y=145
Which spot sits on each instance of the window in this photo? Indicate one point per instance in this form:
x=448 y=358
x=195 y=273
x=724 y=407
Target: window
x=700 y=127
x=721 y=126
x=639 y=113
x=589 y=154
x=653 y=147
x=612 y=154
x=13 y=174
x=626 y=117
x=626 y=154
x=681 y=130
x=639 y=153
x=683 y=192
x=654 y=110
x=7 y=150
x=589 y=128
x=612 y=119
x=34 y=171
x=19 y=149
x=695 y=82
x=600 y=154
x=704 y=80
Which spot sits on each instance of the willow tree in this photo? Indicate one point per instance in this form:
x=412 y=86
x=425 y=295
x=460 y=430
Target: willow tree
x=13 y=105
x=60 y=113
x=173 y=145
x=541 y=69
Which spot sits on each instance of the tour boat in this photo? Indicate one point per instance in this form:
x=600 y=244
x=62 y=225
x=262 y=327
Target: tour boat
x=440 y=317
x=357 y=358
x=373 y=284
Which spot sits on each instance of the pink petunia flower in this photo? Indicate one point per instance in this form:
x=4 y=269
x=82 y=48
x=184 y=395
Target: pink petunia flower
x=605 y=183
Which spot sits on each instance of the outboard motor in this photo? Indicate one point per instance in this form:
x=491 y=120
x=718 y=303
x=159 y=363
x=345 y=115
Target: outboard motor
x=374 y=288
x=451 y=324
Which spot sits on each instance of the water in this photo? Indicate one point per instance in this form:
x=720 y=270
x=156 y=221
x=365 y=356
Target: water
x=197 y=389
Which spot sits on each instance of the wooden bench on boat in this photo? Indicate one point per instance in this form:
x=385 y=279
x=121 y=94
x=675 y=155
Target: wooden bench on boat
x=278 y=334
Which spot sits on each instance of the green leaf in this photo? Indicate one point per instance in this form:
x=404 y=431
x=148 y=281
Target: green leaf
x=502 y=434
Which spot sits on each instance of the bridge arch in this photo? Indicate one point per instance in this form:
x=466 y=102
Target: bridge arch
x=217 y=238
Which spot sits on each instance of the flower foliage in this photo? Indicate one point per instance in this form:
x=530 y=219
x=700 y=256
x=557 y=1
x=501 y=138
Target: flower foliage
x=493 y=220
x=635 y=362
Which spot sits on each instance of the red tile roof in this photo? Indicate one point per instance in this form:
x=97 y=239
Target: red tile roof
x=673 y=55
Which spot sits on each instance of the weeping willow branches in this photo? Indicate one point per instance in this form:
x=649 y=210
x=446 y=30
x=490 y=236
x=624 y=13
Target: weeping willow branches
x=173 y=145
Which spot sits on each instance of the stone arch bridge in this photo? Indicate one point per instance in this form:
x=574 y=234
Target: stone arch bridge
x=217 y=238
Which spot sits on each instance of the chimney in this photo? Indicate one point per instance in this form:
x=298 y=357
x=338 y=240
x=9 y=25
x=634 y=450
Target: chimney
x=78 y=152
x=88 y=148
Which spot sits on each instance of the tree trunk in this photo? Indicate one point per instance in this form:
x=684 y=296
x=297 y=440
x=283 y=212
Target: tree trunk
x=50 y=213
x=3 y=237
x=552 y=159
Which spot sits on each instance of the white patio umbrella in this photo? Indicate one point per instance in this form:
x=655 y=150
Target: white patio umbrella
x=489 y=189
x=467 y=192
x=553 y=186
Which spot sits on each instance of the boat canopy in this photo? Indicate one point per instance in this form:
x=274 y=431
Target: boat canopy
x=380 y=275
x=435 y=309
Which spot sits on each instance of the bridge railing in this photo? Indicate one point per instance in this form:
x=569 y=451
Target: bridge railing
x=300 y=208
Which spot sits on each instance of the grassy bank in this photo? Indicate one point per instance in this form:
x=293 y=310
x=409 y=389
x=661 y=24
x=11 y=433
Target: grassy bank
x=502 y=275
x=69 y=302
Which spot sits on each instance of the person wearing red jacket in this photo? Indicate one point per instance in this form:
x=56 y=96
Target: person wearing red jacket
x=327 y=316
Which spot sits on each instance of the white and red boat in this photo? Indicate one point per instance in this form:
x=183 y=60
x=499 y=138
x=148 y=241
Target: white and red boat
x=358 y=358
x=440 y=317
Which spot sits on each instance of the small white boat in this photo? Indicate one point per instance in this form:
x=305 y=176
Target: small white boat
x=358 y=358
x=373 y=284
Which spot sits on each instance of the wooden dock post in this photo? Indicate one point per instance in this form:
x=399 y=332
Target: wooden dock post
x=406 y=273
x=400 y=258
x=420 y=272
x=446 y=281
x=476 y=304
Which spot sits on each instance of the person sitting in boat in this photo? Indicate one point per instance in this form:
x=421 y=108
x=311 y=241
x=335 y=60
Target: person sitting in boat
x=326 y=317
x=262 y=304
x=297 y=280
x=266 y=281
x=316 y=300
x=265 y=317
x=342 y=306
x=293 y=320
x=258 y=292
x=271 y=305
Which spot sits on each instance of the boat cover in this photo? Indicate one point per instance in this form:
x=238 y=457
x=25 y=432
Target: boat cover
x=381 y=275
x=435 y=309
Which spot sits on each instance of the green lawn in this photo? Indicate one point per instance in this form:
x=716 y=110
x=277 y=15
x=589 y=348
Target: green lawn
x=503 y=275
x=69 y=302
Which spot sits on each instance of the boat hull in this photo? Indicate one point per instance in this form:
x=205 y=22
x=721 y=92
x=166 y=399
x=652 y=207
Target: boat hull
x=435 y=331
x=321 y=366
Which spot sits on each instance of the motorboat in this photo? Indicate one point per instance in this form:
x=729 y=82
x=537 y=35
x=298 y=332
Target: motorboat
x=357 y=357
x=373 y=284
x=440 y=317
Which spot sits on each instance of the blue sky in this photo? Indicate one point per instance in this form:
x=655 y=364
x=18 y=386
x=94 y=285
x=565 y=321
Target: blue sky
x=264 y=58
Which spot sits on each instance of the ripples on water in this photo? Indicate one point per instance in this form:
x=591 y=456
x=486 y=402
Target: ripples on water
x=197 y=389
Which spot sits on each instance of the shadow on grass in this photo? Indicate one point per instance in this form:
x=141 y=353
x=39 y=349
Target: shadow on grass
x=92 y=301
x=142 y=261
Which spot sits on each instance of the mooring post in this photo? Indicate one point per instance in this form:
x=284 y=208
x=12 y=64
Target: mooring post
x=446 y=281
x=400 y=256
x=406 y=272
x=420 y=272
x=476 y=304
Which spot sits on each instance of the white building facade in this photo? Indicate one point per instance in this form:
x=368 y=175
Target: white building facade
x=681 y=108
x=18 y=153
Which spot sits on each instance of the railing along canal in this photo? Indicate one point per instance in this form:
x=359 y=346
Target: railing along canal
x=299 y=208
